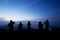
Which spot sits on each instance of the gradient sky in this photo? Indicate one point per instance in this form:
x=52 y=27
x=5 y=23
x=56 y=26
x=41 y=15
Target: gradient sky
x=29 y=9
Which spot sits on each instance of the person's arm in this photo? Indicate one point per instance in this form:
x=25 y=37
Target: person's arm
x=14 y=22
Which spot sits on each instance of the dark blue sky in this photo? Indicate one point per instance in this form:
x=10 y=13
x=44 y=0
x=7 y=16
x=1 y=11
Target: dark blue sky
x=29 y=9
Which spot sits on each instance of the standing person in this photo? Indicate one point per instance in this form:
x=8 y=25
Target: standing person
x=40 y=26
x=47 y=25
x=20 y=27
x=29 y=25
x=10 y=25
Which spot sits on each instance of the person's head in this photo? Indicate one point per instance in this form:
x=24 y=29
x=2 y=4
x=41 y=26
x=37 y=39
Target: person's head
x=40 y=22
x=20 y=22
x=10 y=20
x=46 y=20
x=28 y=21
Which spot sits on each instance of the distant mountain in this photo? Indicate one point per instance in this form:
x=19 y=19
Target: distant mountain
x=51 y=19
x=3 y=21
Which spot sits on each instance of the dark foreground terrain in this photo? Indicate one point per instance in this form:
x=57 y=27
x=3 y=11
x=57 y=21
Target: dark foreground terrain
x=33 y=30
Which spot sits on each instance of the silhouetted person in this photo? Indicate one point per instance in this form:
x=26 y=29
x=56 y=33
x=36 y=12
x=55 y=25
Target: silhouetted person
x=47 y=25
x=20 y=27
x=40 y=26
x=10 y=25
x=29 y=25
